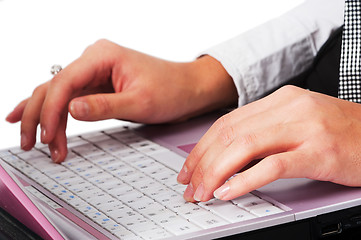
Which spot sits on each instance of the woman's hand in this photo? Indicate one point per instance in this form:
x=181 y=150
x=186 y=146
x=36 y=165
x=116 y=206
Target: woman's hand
x=110 y=81
x=297 y=133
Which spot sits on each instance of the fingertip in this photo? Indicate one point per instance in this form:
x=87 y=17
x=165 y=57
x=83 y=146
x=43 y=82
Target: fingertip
x=79 y=109
x=16 y=114
x=189 y=193
x=183 y=176
x=8 y=118
x=58 y=154
x=222 y=192
x=26 y=142
x=199 y=193
x=11 y=118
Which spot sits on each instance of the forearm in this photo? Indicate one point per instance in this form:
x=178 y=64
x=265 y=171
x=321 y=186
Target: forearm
x=215 y=81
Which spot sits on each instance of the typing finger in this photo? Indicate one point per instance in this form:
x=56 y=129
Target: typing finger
x=68 y=83
x=58 y=147
x=246 y=117
x=30 y=117
x=17 y=113
x=282 y=165
x=246 y=147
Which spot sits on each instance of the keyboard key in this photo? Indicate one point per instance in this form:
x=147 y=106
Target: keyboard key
x=124 y=233
x=95 y=137
x=227 y=210
x=32 y=155
x=4 y=153
x=111 y=146
x=245 y=199
x=158 y=233
x=264 y=210
x=191 y=210
x=87 y=150
x=162 y=216
x=170 y=159
x=119 y=231
x=180 y=226
x=208 y=220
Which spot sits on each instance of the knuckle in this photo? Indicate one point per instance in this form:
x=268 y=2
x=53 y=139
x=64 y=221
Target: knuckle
x=227 y=136
x=225 y=131
x=218 y=125
x=146 y=108
x=104 y=106
x=102 y=41
x=99 y=44
x=195 y=154
x=288 y=89
x=211 y=174
x=198 y=174
x=308 y=101
x=248 y=140
x=38 y=90
x=277 y=165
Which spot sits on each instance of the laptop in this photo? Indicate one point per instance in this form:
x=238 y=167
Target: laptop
x=120 y=183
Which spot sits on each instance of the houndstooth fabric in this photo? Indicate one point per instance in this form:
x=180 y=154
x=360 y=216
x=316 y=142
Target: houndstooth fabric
x=350 y=65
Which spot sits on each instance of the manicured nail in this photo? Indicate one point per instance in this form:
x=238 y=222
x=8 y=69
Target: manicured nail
x=24 y=140
x=55 y=155
x=221 y=192
x=43 y=134
x=198 y=195
x=189 y=192
x=79 y=108
x=183 y=175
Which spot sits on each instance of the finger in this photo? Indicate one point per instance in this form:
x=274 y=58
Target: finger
x=244 y=149
x=58 y=147
x=218 y=138
x=210 y=142
x=17 y=113
x=71 y=81
x=282 y=165
x=31 y=116
x=106 y=106
x=247 y=115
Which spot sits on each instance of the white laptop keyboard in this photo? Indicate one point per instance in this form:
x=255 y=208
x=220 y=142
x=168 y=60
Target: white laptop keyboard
x=127 y=185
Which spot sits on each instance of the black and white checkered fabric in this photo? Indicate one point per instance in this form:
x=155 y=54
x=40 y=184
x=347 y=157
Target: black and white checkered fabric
x=350 y=62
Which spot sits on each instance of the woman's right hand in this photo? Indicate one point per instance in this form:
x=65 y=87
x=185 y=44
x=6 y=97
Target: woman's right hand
x=109 y=81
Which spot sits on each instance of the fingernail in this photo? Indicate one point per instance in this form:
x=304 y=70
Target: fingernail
x=198 y=195
x=183 y=175
x=79 y=108
x=55 y=155
x=221 y=192
x=189 y=192
x=24 y=140
x=43 y=134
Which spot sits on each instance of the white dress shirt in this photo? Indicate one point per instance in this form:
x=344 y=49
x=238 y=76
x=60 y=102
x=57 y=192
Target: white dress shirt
x=265 y=57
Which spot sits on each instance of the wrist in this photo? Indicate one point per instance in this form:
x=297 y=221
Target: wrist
x=216 y=84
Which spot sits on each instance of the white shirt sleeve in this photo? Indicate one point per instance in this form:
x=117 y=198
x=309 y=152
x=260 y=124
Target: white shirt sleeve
x=265 y=57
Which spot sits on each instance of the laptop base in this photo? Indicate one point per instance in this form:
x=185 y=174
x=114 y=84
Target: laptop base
x=344 y=224
x=310 y=229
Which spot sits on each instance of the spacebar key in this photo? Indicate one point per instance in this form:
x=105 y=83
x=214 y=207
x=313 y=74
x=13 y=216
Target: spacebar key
x=170 y=159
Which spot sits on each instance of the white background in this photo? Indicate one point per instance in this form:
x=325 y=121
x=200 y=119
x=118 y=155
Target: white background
x=36 y=34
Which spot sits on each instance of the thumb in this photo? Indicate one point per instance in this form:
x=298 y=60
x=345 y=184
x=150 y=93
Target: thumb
x=103 y=106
